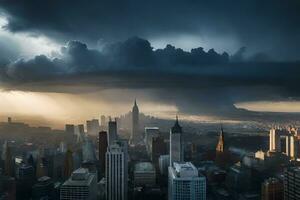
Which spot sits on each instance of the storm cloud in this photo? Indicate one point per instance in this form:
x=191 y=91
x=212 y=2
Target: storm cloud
x=270 y=26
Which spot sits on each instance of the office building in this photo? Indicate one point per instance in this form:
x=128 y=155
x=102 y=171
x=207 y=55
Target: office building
x=272 y=189
x=292 y=183
x=92 y=127
x=274 y=139
x=88 y=152
x=82 y=185
x=117 y=171
x=158 y=147
x=43 y=189
x=144 y=174
x=112 y=131
x=150 y=132
x=164 y=162
x=185 y=183
x=68 y=164
x=102 y=142
x=135 y=137
x=176 y=146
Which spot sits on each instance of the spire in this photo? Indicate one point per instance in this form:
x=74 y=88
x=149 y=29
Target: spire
x=176 y=128
x=221 y=142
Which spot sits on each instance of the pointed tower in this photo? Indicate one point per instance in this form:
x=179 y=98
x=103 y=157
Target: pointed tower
x=221 y=143
x=135 y=124
x=176 y=146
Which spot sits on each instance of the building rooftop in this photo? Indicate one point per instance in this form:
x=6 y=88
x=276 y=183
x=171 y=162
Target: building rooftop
x=80 y=177
x=185 y=169
x=144 y=167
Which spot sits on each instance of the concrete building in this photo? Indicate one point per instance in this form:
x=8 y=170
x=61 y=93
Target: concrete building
x=150 y=132
x=112 y=131
x=164 y=162
x=144 y=174
x=135 y=128
x=272 y=189
x=185 y=183
x=176 y=144
x=292 y=183
x=117 y=171
x=82 y=185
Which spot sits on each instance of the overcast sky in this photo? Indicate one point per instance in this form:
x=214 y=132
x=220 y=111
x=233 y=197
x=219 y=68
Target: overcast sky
x=201 y=57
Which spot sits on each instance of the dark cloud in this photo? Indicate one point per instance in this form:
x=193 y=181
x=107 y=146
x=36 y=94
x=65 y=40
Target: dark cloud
x=270 y=26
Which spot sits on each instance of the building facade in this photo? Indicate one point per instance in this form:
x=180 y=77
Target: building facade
x=176 y=146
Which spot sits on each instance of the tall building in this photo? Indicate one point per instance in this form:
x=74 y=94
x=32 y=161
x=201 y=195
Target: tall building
x=102 y=142
x=144 y=174
x=176 y=146
x=43 y=189
x=82 y=185
x=8 y=160
x=92 y=127
x=112 y=131
x=221 y=143
x=150 y=132
x=185 y=183
x=103 y=122
x=164 y=162
x=68 y=164
x=274 y=140
x=292 y=183
x=272 y=189
x=117 y=171
x=158 y=147
x=88 y=152
x=134 y=139
x=291 y=146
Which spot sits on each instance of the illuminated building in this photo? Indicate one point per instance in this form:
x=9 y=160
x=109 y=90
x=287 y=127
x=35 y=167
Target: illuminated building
x=272 y=189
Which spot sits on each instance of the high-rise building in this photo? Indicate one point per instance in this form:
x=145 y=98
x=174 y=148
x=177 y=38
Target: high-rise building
x=88 y=152
x=176 y=146
x=112 y=131
x=272 y=189
x=134 y=139
x=158 y=147
x=43 y=189
x=150 y=132
x=164 y=162
x=185 y=183
x=221 y=143
x=291 y=146
x=117 y=171
x=292 y=183
x=70 y=129
x=102 y=150
x=144 y=174
x=92 y=127
x=68 y=164
x=103 y=122
x=81 y=185
x=8 y=160
x=274 y=140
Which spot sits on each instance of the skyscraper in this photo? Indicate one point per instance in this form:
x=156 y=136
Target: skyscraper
x=81 y=185
x=102 y=150
x=68 y=164
x=292 y=183
x=92 y=127
x=117 y=171
x=112 y=131
x=185 y=183
x=103 y=121
x=8 y=161
x=176 y=147
x=274 y=140
x=272 y=189
x=135 y=124
x=221 y=142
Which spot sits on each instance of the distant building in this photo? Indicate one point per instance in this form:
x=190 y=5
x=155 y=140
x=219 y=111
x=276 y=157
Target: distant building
x=185 y=183
x=68 y=164
x=81 y=185
x=92 y=127
x=70 y=129
x=164 y=162
x=150 y=132
x=144 y=174
x=176 y=144
x=272 y=189
x=135 y=137
x=158 y=147
x=103 y=122
x=112 y=131
x=102 y=142
x=292 y=183
x=117 y=171
x=274 y=140
x=88 y=151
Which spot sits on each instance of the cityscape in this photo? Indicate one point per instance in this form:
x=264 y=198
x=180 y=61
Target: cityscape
x=149 y=100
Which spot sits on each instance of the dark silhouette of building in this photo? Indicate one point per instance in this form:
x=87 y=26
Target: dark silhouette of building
x=68 y=164
x=135 y=124
x=43 y=189
x=112 y=131
x=292 y=183
x=102 y=150
x=176 y=144
x=8 y=162
x=272 y=189
x=159 y=147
